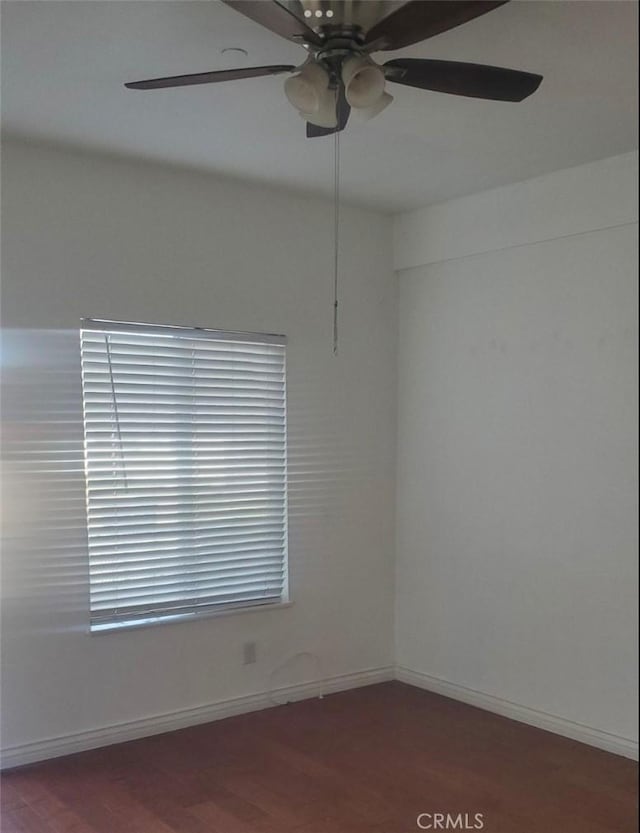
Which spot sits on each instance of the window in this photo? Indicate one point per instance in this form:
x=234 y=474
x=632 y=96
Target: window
x=185 y=458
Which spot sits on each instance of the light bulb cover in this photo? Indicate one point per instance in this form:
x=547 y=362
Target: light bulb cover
x=326 y=114
x=366 y=113
x=307 y=89
x=363 y=81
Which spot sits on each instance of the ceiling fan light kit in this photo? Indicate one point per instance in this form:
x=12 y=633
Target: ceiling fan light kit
x=313 y=91
x=339 y=73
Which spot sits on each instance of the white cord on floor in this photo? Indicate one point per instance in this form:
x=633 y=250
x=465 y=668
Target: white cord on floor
x=320 y=681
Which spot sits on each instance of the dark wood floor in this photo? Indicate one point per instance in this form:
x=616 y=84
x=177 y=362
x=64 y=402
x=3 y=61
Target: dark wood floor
x=364 y=761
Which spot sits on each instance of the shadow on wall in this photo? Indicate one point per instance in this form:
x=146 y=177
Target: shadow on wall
x=44 y=514
x=45 y=561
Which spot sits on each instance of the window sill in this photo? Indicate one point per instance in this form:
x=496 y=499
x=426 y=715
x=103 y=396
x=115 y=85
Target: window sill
x=99 y=630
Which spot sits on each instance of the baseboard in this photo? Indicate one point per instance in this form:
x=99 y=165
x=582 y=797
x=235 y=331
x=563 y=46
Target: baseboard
x=550 y=722
x=56 y=747
x=156 y=724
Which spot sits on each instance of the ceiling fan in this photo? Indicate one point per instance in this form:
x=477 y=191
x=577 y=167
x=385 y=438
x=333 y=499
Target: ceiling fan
x=339 y=73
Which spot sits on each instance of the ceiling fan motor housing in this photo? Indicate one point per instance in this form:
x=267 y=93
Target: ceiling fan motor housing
x=365 y=13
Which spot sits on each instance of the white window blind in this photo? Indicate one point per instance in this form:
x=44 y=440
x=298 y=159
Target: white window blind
x=185 y=457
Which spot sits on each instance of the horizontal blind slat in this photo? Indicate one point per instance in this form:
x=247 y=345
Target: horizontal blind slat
x=196 y=529
x=210 y=542
x=160 y=594
x=105 y=590
x=171 y=498
x=170 y=509
x=125 y=352
x=154 y=560
x=106 y=486
x=179 y=378
x=140 y=570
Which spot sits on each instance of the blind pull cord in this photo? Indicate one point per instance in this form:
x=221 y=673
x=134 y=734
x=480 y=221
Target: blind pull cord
x=115 y=410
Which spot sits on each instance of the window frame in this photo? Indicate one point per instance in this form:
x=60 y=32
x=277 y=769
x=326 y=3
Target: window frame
x=211 y=610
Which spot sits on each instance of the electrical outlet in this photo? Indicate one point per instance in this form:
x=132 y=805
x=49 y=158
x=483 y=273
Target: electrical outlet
x=249 y=653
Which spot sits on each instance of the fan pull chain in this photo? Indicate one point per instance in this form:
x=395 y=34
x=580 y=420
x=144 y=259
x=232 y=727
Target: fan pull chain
x=336 y=231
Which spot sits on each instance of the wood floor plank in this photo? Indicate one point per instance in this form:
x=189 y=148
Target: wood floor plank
x=25 y=820
x=363 y=761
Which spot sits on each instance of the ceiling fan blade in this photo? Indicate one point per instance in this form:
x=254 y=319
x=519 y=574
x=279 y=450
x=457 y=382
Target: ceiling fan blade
x=418 y=20
x=208 y=77
x=276 y=18
x=343 y=111
x=473 y=80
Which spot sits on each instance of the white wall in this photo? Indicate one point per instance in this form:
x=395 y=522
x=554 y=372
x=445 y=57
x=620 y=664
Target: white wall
x=89 y=236
x=516 y=541
x=517 y=450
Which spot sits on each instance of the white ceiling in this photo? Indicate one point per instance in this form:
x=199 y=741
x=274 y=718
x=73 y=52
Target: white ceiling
x=64 y=64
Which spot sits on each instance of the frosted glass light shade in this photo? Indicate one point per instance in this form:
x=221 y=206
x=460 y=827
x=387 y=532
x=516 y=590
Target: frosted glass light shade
x=325 y=115
x=366 y=113
x=363 y=82
x=306 y=90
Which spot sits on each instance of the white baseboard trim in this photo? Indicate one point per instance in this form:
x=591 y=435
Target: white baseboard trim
x=156 y=724
x=542 y=720
x=93 y=738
